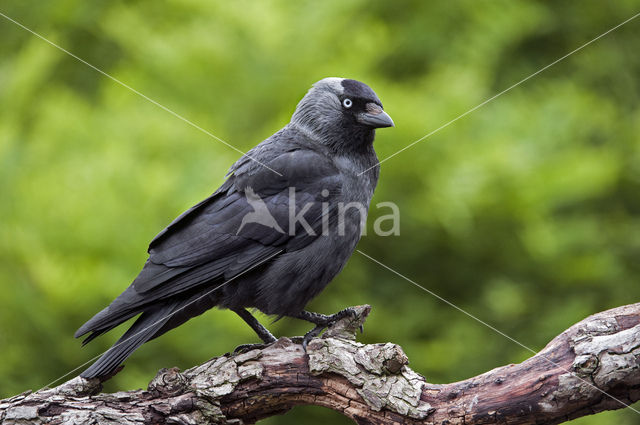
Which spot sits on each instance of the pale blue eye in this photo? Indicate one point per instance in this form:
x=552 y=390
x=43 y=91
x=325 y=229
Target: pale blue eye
x=347 y=103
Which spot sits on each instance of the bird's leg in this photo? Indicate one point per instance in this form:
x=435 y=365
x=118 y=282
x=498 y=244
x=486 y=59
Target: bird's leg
x=321 y=321
x=262 y=332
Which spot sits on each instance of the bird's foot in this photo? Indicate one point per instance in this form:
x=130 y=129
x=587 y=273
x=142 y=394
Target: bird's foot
x=323 y=321
x=327 y=320
x=243 y=348
x=347 y=312
x=267 y=339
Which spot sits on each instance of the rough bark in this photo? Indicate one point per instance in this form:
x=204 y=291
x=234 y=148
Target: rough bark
x=591 y=367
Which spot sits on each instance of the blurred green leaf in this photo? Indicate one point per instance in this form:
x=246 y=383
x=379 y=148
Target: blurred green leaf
x=525 y=213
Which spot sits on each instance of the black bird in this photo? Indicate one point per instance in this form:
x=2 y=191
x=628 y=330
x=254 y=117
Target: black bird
x=276 y=232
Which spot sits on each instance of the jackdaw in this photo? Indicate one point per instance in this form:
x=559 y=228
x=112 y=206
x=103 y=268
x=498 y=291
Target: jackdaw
x=276 y=232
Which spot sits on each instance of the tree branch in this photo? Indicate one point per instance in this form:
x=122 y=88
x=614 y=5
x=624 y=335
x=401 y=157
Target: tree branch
x=591 y=367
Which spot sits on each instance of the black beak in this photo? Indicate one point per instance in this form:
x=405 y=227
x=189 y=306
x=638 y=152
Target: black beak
x=375 y=117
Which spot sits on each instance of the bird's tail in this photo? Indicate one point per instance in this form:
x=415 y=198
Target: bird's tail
x=149 y=325
x=152 y=323
x=119 y=311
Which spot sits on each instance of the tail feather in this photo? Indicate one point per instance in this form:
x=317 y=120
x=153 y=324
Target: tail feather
x=144 y=329
x=151 y=324
x=120 y=310
x=136 y=299
x=96 y=331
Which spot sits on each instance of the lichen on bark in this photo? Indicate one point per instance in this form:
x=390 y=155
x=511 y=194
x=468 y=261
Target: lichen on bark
x=592 y=366
x=379 y=372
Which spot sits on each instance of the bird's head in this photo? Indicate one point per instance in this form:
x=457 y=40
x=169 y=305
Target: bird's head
x=341 y=113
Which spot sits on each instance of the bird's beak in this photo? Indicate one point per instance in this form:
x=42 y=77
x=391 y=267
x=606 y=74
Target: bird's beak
x=375 y=117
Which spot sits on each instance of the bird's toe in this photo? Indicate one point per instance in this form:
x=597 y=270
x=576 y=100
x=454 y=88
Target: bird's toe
x=310 y=335
x=243 y=348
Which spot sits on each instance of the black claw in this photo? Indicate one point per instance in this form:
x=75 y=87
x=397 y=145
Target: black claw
x=361 y=329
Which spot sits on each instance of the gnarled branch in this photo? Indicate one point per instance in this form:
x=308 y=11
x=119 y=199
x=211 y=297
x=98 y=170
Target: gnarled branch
x=591 y=367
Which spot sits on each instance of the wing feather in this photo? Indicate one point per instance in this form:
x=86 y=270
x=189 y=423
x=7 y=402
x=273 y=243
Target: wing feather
x=208 y=244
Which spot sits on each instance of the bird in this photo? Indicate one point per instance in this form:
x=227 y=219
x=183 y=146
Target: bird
x=306 y=176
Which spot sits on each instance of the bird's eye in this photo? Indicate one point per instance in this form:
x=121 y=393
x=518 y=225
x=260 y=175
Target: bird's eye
x=347 y=103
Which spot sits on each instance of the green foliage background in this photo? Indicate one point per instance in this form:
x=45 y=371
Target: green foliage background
x=525 y=213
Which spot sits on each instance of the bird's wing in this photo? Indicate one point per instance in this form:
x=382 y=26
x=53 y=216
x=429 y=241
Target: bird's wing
x=213 y=236
x=207 y=243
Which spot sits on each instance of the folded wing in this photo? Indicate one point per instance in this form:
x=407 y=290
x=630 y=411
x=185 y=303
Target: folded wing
x=210 y=243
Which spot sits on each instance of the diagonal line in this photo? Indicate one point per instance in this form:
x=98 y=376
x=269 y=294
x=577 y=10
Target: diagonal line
x=501 y=93
x=448 y=302
x=494 y=329
x=175 y=114
x=161 y=319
